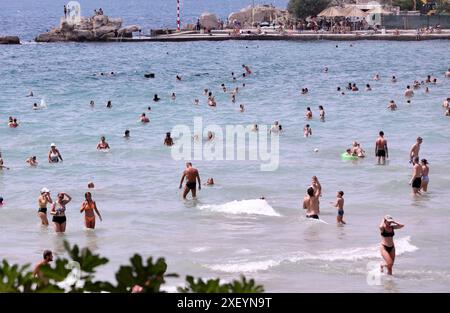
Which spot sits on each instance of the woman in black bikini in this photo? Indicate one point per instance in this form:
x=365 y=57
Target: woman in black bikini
x=387 y=248
x=59 y=212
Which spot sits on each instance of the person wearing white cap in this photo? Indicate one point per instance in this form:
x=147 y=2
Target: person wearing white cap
x=53 y=155
x=387 y=226
x=43 y=200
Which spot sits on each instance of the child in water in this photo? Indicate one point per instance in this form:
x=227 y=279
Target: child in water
x=339 y=204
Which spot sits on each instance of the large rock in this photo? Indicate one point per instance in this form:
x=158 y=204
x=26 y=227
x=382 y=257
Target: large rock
x=209 y=20
x=10 y=40
x=96 y=28
x=257 y=15
x=128 y=31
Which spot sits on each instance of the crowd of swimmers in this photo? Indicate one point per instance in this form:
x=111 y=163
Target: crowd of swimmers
x=191 y=177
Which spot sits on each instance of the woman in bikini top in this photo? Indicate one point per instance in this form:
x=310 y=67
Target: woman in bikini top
x=387 y=248
x=89 y=207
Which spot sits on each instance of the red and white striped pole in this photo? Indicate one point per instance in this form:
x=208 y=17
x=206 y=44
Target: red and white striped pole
x=178 y=16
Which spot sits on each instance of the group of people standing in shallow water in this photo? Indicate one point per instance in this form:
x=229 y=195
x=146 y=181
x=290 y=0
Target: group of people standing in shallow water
x=311 y=202
x=58 y=210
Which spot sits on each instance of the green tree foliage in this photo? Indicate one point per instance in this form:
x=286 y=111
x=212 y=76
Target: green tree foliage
x=305 y=8
x=405 y=5
x=149 y=276
x=214 y=286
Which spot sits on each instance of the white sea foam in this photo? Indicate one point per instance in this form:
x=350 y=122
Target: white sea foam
x=403 y=245
x=254 y=207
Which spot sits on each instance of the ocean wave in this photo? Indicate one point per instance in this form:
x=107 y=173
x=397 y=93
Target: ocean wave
x=253 y=207
x=403 y=245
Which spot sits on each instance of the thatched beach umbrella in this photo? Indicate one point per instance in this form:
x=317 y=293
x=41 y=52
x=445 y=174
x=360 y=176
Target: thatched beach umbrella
x=354 y=12
x=332 y=12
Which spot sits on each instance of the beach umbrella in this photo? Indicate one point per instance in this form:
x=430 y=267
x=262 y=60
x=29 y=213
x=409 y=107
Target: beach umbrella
x=354 y=12
x=331 y=12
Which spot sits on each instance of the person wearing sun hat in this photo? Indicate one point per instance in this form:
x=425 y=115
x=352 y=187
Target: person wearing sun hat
x=43 y=200
x=53 y=155
x=387 y=226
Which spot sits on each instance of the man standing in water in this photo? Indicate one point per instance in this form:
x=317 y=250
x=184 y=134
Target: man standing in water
x=48 y=257
x=415 y=149
x=381 y=149
x=416 y=179
x=311 y=203
x=191 y=175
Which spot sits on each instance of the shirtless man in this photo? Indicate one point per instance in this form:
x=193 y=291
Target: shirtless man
x=168 y=141
x=311 y=203
x=191 y=175
x=43 y=200
x=392 y=105
x=408 y=92
x=381 y=148
x=415 y=149
x=47 y=258
x=416 y=179
x=274 y=129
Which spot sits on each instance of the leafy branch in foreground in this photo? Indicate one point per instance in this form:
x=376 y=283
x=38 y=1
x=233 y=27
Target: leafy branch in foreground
x=78 y=275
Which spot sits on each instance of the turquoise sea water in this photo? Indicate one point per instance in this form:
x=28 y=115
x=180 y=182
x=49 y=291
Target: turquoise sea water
x=137 y=181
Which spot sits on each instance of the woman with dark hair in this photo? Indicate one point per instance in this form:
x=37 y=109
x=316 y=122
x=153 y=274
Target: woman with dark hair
x=425 y=178
x=88 y=207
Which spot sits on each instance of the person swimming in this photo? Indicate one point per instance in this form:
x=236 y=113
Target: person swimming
x=308 y=114
x=178 y=77
x=2 y=166
x=144 y=119
x=89 y=207
x=241 y=108
x=354 y=88
x=13 y=123
x=393 y=79
x=126 y=134
x=109 y=104
x=156 y=98
x=392 y=105
x=376 y=77
x=32 y=161
x=321 y=113
x=54 y=156
x=91 y=185
x=368 y=88
x=174 y=97
x=196 y=101
x=103 y=145
x=30 y=94
x=210 y=181
x=408 y=92
x=307 y=131
x=274 y=129
x=168 y=141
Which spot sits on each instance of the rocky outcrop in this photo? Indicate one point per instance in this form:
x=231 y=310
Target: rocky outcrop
x=9 y=40
x=257 y=15
x=209 y=20
x=96 y=28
